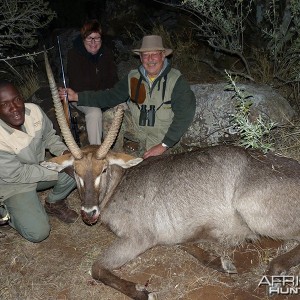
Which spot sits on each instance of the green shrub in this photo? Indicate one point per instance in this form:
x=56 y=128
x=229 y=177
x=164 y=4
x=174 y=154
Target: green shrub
x=251 y=133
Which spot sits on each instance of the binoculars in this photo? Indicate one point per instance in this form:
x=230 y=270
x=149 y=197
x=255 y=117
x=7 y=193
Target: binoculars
x=147 y=115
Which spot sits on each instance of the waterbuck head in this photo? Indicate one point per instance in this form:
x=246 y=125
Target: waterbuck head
x=96 y=169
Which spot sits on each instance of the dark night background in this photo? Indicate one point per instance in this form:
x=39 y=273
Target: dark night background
x=115 y=15
x=124 y=22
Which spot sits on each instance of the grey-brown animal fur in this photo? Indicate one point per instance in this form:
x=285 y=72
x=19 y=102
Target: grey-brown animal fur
x=223 y=193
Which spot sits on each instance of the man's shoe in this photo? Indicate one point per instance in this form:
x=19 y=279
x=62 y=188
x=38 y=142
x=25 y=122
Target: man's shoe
x=4 y=218
x=61 y=211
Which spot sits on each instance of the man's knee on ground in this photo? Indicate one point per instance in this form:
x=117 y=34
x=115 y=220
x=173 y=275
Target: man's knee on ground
x=37 y=233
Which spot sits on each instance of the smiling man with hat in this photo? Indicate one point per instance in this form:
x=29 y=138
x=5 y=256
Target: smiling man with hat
x=152 y=53
x=161 y=103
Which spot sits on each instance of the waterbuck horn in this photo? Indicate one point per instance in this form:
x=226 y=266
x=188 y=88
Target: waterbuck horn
x=60 y=116
x=112 y=133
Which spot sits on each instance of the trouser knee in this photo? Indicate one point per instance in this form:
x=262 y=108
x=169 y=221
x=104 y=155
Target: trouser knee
x=27 y=216
x=37 y=234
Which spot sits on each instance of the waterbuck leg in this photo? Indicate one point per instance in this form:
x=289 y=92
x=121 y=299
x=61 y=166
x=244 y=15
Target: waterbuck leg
x=204 y=257
x=284 y=262
x=119 y=253
x=126 y=287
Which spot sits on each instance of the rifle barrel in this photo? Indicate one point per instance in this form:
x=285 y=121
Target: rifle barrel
x=72 y=121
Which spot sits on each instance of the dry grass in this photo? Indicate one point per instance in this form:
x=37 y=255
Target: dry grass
x=261 y=66
x=29 y=83
x=286 y=139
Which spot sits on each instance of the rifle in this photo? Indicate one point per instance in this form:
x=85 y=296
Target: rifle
x=71 y=120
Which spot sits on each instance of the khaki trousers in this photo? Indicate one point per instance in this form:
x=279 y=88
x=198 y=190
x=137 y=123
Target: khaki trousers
x=93 y=121
x=27 y=214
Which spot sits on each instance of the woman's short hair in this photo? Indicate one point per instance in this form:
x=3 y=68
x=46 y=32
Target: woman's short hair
x=89 y=27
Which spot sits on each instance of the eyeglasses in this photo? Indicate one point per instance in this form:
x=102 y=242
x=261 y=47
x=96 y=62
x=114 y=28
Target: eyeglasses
x=154 y=55
x=89 y=39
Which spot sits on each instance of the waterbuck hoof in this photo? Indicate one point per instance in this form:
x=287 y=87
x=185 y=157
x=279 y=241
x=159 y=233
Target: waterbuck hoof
x=228 y=266
x=152 y=296
x=143 y=294
x=276 y=267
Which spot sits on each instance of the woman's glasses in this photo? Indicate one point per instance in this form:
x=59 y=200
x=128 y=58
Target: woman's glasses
x=90 y=39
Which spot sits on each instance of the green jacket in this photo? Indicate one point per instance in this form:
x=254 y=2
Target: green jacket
x=22 y=151
x=183 y=102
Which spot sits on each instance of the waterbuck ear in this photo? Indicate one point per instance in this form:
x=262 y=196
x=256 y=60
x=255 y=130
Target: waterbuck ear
x=58 y=163
x=123 y=160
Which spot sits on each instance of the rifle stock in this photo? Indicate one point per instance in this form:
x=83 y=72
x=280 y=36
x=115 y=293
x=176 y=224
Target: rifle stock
x=65 y=103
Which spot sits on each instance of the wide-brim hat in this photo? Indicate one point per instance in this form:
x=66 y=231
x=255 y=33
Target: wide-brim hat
x=152 y=43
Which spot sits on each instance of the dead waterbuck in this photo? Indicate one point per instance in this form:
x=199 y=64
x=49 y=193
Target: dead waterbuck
x=225 y=194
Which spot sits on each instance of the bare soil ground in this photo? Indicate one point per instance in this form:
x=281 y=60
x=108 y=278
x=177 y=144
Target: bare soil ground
x=59 y=267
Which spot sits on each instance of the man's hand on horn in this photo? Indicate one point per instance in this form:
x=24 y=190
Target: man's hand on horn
x=72 y=95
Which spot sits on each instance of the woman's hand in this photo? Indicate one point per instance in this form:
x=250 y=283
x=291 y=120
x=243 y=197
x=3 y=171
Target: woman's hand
x=72 y=95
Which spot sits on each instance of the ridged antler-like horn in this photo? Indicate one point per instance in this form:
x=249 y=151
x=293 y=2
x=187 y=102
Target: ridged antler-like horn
x=60 y=116
x=112 y=133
